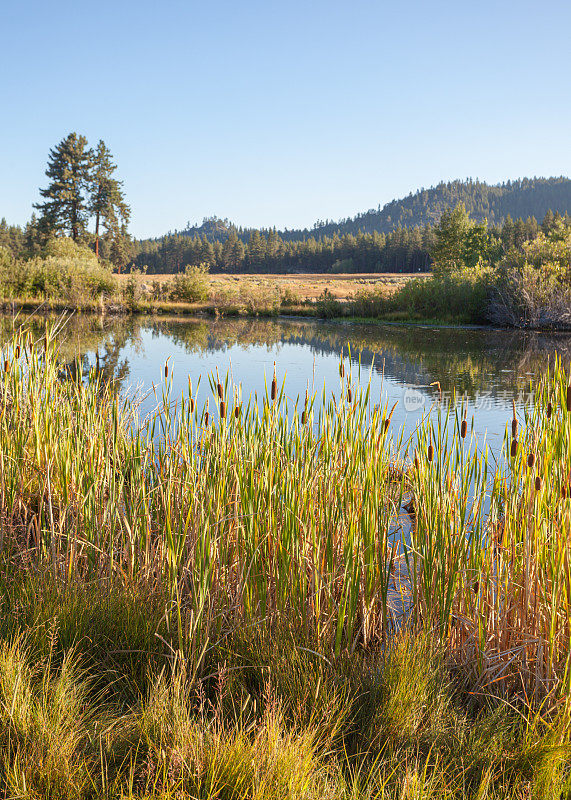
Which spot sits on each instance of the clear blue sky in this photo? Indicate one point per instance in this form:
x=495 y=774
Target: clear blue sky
x=283 y=112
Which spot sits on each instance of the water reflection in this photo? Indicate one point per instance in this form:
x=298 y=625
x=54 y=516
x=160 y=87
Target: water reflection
x=487 y=367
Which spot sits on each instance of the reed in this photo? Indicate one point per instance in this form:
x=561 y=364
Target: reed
x=274 y=517
x=286 y=512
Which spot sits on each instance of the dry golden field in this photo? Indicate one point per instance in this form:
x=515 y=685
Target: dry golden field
x=305 y=286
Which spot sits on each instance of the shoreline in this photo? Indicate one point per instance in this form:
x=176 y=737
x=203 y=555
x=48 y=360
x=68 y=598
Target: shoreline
x=203 y=310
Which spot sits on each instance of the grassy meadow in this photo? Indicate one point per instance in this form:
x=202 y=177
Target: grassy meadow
x=231 y=599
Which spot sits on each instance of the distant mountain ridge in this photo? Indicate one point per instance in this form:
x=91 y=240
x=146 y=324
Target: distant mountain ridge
x=525 y=197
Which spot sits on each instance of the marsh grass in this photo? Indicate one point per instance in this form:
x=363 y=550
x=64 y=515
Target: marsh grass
x=216 y=604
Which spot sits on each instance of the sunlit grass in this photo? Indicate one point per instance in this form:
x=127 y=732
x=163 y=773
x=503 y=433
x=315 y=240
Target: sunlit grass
x=228 y=600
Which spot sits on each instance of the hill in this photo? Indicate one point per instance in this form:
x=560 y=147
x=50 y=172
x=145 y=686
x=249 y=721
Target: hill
x=526 y=197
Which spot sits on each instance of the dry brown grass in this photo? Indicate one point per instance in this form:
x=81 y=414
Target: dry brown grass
x=306 y=287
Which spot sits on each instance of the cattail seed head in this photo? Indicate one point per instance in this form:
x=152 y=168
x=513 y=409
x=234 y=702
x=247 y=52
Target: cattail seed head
x=463 y=429
x=563 y=491
x=531 y=460
x=538 y=483
x=206 y=418
x=514 y=422
x=349 y=395
x=342 y=370
x=430 y=453
x=237 y=411
x=222 y=409
x=388 y=419
x=220 y=389
x=192 y=405
x=513 y=448
x=303 y=417
x=166 y=369
x=6 y=365
x=17 y=351
x=569 y=398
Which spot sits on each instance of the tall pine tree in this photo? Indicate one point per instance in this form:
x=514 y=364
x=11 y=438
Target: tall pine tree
x=65 y=208
x=107 y=198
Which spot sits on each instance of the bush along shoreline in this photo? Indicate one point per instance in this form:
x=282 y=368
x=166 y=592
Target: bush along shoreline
x=234 y=599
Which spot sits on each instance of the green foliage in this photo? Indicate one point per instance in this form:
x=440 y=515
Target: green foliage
x=460 y=297
x=449 y=247
x=65 y=209
x=533 y=285
x=191 y=286
x=68 y=272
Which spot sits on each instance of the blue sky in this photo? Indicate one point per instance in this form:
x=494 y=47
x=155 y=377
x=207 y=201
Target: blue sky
x=283 y=113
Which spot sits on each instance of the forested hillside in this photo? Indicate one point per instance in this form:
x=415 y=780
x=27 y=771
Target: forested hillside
x=396 y=238
x=528 y=197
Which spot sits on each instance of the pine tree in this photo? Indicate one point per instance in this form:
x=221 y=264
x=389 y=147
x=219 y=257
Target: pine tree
x=107 y=199
x=66 y=206
x=122 y=251
x=547 y=223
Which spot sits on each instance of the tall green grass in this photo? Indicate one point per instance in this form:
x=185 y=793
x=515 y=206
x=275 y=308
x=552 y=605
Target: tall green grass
x=233 y=591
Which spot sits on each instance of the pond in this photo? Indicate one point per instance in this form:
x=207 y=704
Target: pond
x=413 y=366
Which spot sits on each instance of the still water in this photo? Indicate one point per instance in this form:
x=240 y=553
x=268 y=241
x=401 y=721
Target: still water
x=488 y=369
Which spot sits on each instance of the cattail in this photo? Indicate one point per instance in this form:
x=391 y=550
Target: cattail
x=166 y=368
x=342 y=370
x=388 y=419
x=416 y=462
x=475 y=587
x=549 y=410
x=192 y=405
x=514 y=423
x=569 y=398
x=537 y=483
x=430 y=453
x=531 y=460
x=237 y=411
x=349 y=395
x=513 y=448
x=17 y=351
x=563 y=491
x=463 y=429
x=304 y=412
x=274 y=385
x=6 y=366
x=219 y=386
x=206 y=415
x=222 y=409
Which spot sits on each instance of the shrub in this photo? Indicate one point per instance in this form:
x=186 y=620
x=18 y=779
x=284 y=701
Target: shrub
x=290 y=298
x=66 y=271
x=533 y=286
x=191 y=286
x=259 y=297
x=459 y=296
